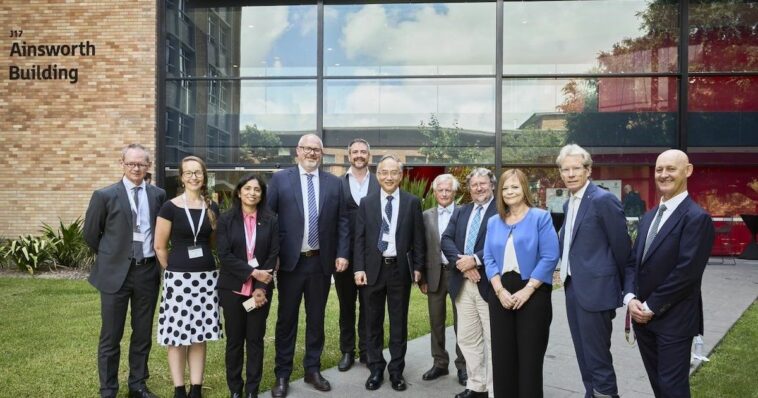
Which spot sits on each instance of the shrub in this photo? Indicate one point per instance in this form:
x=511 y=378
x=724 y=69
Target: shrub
x=27 y=252
x=67 y=245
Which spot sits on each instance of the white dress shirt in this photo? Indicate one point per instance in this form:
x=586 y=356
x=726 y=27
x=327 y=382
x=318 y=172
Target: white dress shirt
x=143 y=213
x=304 y=190
x=391 y=244
x=358 y=190
x=571 y=212
x=510 y=261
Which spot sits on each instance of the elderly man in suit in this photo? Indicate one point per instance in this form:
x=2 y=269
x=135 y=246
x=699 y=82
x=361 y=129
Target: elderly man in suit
x=118 y=227
x=436 y=276
x=595 y=248
x=389 y=257
x=663 y=281
x=463 y=245
x=314 y=236
x=356 y=184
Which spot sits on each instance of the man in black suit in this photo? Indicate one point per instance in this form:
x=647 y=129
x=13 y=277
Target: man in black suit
x=662 y=284
x=314 y=238
x=118 y=227
x=463 y=245
x=356 y=184
x=389 y=257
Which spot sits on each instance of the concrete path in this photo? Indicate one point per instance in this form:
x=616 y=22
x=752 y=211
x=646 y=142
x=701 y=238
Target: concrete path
x=728 y=290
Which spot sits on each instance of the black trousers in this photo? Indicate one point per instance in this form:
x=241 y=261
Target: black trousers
x=140 y=288
x=519 y=340
x=347 y=293
x=307 y=281
x=393 y=286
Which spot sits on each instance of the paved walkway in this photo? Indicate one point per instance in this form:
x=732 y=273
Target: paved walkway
x=728 y=290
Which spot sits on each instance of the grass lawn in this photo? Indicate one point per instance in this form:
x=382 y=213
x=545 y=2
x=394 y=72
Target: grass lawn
x=49 y=331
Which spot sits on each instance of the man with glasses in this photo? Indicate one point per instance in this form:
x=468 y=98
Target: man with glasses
x=314 y=238
x=118 y=227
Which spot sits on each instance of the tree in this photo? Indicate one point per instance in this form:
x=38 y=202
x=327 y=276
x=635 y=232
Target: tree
x=259 y=146
x=445 y=144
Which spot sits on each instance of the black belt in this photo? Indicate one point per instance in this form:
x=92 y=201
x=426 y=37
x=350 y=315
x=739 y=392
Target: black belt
x=444 y=266
x=309 y=253
x=389 y=260
x=144 y=261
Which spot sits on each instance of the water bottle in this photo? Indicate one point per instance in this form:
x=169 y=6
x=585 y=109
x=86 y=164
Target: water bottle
x=698 y=347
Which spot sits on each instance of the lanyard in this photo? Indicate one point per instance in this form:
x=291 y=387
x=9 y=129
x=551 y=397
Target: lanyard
x=189 y=218
x=250 y=236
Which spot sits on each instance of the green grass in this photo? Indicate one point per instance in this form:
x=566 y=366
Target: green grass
x=49 y=331
x=730 y=371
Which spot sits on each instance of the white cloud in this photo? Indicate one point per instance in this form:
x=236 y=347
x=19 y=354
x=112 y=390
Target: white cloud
x=261 y=28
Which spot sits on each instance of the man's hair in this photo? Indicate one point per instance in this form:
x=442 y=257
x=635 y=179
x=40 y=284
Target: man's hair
x=574 y=150
x=135 y=146
x=445 y=177
x=393 y=157
x=358 y=141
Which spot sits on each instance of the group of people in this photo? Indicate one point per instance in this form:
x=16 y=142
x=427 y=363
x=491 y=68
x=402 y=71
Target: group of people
x=494 y=257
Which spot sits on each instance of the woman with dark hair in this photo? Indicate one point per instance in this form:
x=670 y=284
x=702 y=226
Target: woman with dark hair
x=520 y=256
x=188 y=314
x=248 y=246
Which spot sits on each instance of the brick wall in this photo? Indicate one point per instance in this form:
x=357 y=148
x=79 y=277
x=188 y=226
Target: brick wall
x=60 y=141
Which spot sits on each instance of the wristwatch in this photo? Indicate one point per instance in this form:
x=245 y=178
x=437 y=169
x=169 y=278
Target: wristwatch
x=532 y=285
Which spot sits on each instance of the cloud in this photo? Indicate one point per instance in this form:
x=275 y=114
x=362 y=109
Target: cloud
x=261 y=28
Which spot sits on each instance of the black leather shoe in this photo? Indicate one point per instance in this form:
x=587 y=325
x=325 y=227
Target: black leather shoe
x=434 y=373
x=398 y=383
x=142 y=393
x=375 y=380
x=317 y=381
x=279 y=390
x=346 y=362
x=462 y=377
x=471 y=394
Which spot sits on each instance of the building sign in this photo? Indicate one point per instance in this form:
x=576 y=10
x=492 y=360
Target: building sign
x=46 y=71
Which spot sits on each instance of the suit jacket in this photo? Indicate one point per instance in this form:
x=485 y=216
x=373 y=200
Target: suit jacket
x=454 y=241
x=668 y=279
x=433 y=268
x=352 y=207
x=232 y=247
x=108 y=232
x=409 y=236
x=600 y=249
x=284 y=197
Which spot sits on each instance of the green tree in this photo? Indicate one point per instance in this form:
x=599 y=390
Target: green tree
x=445 y=144
x=258 y=146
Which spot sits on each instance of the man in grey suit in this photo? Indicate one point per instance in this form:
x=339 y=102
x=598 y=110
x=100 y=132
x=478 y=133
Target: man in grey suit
x=436 y=219
x=119 y=227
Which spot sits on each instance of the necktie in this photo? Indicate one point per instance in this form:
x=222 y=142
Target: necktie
x=136 y=245
x=385 y=228
x=473 y=231
x=567 y=236
x=653 y=230
x=312 y=214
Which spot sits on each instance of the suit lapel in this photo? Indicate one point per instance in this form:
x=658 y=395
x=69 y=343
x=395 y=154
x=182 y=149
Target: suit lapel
x=462 y=224
x=584 y=205
x=294 y=178
x=123 y=201
x=488 y=212
x=323 y=185
x=152 y=202
x=667 y=227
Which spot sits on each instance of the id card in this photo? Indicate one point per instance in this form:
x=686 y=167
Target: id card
x=249 y=304
x=195 y=251
x=138 y=237
x=253 y=263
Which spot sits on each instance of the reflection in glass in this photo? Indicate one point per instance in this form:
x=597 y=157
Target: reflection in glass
x=723 y=36
x=432 y=121
x=409 y=39
x=607 y=36
x=723 y=111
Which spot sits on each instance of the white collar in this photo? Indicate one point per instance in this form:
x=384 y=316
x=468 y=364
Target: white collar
x=302 y=171
x=130 y=185
x=580 y=193
x=674 y=202
x=394 y=194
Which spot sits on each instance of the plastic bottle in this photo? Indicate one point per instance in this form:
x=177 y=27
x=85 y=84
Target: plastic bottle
x=698 y=347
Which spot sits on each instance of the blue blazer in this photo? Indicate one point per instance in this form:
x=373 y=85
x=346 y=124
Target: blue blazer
x=285 y=198
x=669 y=277
x=534 y=239
x=600 y=249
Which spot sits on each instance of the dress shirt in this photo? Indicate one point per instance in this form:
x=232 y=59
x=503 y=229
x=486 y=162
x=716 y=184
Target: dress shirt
x=571 y=212
x=304 y=190
x=358 y=190
x=144 y=215
x=510 y=261
x=443 y=219
x=482 y=221
x=392 y=246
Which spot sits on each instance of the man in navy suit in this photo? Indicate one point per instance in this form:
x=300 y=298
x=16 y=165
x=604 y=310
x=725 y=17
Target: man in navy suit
x=314 y=236
x=389 y=256
x=595 y=247
x=663 y=280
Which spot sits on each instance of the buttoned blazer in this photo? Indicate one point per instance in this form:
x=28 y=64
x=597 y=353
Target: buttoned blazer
x=352 y=207
x=231 y=246
x=433 y=264
x=600 y=249
x=668 y=279
x=409 y=237
x=108 y=228
x=454 y=242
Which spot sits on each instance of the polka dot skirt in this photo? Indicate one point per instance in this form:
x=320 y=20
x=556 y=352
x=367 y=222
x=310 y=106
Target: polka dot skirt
x=189 y=308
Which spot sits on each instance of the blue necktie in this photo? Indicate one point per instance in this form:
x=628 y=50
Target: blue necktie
x=385 y=228
x=312 y=214
x=473 y=232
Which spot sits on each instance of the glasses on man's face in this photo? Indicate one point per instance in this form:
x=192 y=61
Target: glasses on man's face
x=571 y=170
x=309 y=149
x=196 y=174
x=131 y=165
x=393 y=173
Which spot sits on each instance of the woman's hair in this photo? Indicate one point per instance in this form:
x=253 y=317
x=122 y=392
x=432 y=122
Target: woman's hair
x=503 y=209
x=237 y=203
x=203 y=189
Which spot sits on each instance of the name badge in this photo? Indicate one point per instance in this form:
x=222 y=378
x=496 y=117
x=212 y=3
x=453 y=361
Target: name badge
x=253 y=263
x=138 y=237
x=195 y=251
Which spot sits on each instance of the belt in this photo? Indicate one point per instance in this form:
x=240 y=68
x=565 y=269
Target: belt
x=309 y=253
x=389 y=260
x=144 y=261
x=445 y=266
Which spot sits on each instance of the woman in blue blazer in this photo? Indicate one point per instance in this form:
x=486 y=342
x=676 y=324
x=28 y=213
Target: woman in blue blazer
x=520 y=255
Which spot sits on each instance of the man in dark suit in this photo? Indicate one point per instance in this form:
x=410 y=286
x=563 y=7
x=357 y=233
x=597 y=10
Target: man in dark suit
x=118 y=227
x=595 y=248
x=663 y=281
x=437 y=272
x=463 y=245
x=313 y=240
x=389 y=257
x=356 y=184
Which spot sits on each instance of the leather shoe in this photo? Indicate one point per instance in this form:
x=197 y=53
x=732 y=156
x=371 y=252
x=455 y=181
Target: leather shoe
x=279 y=390
x=235 y=395
x=142 y=393
x=346 y=362
x=317 y=381
x=471 y=394
x=398 y=383
x=375 y=380
x=462 y=377
x=434 y=373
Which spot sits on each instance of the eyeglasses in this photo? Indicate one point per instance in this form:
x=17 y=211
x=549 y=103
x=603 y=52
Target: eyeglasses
x=136 y=165
x=385 y=173
x=574 y=170
x=308 y=149
x=196 y=174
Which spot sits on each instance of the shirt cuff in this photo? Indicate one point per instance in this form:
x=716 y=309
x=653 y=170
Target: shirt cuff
x=478 y=261
x=628 y=298
x=644 y=305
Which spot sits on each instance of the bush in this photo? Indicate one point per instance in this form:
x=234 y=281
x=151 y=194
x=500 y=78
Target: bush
x=28 y=252
x=67 y=245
